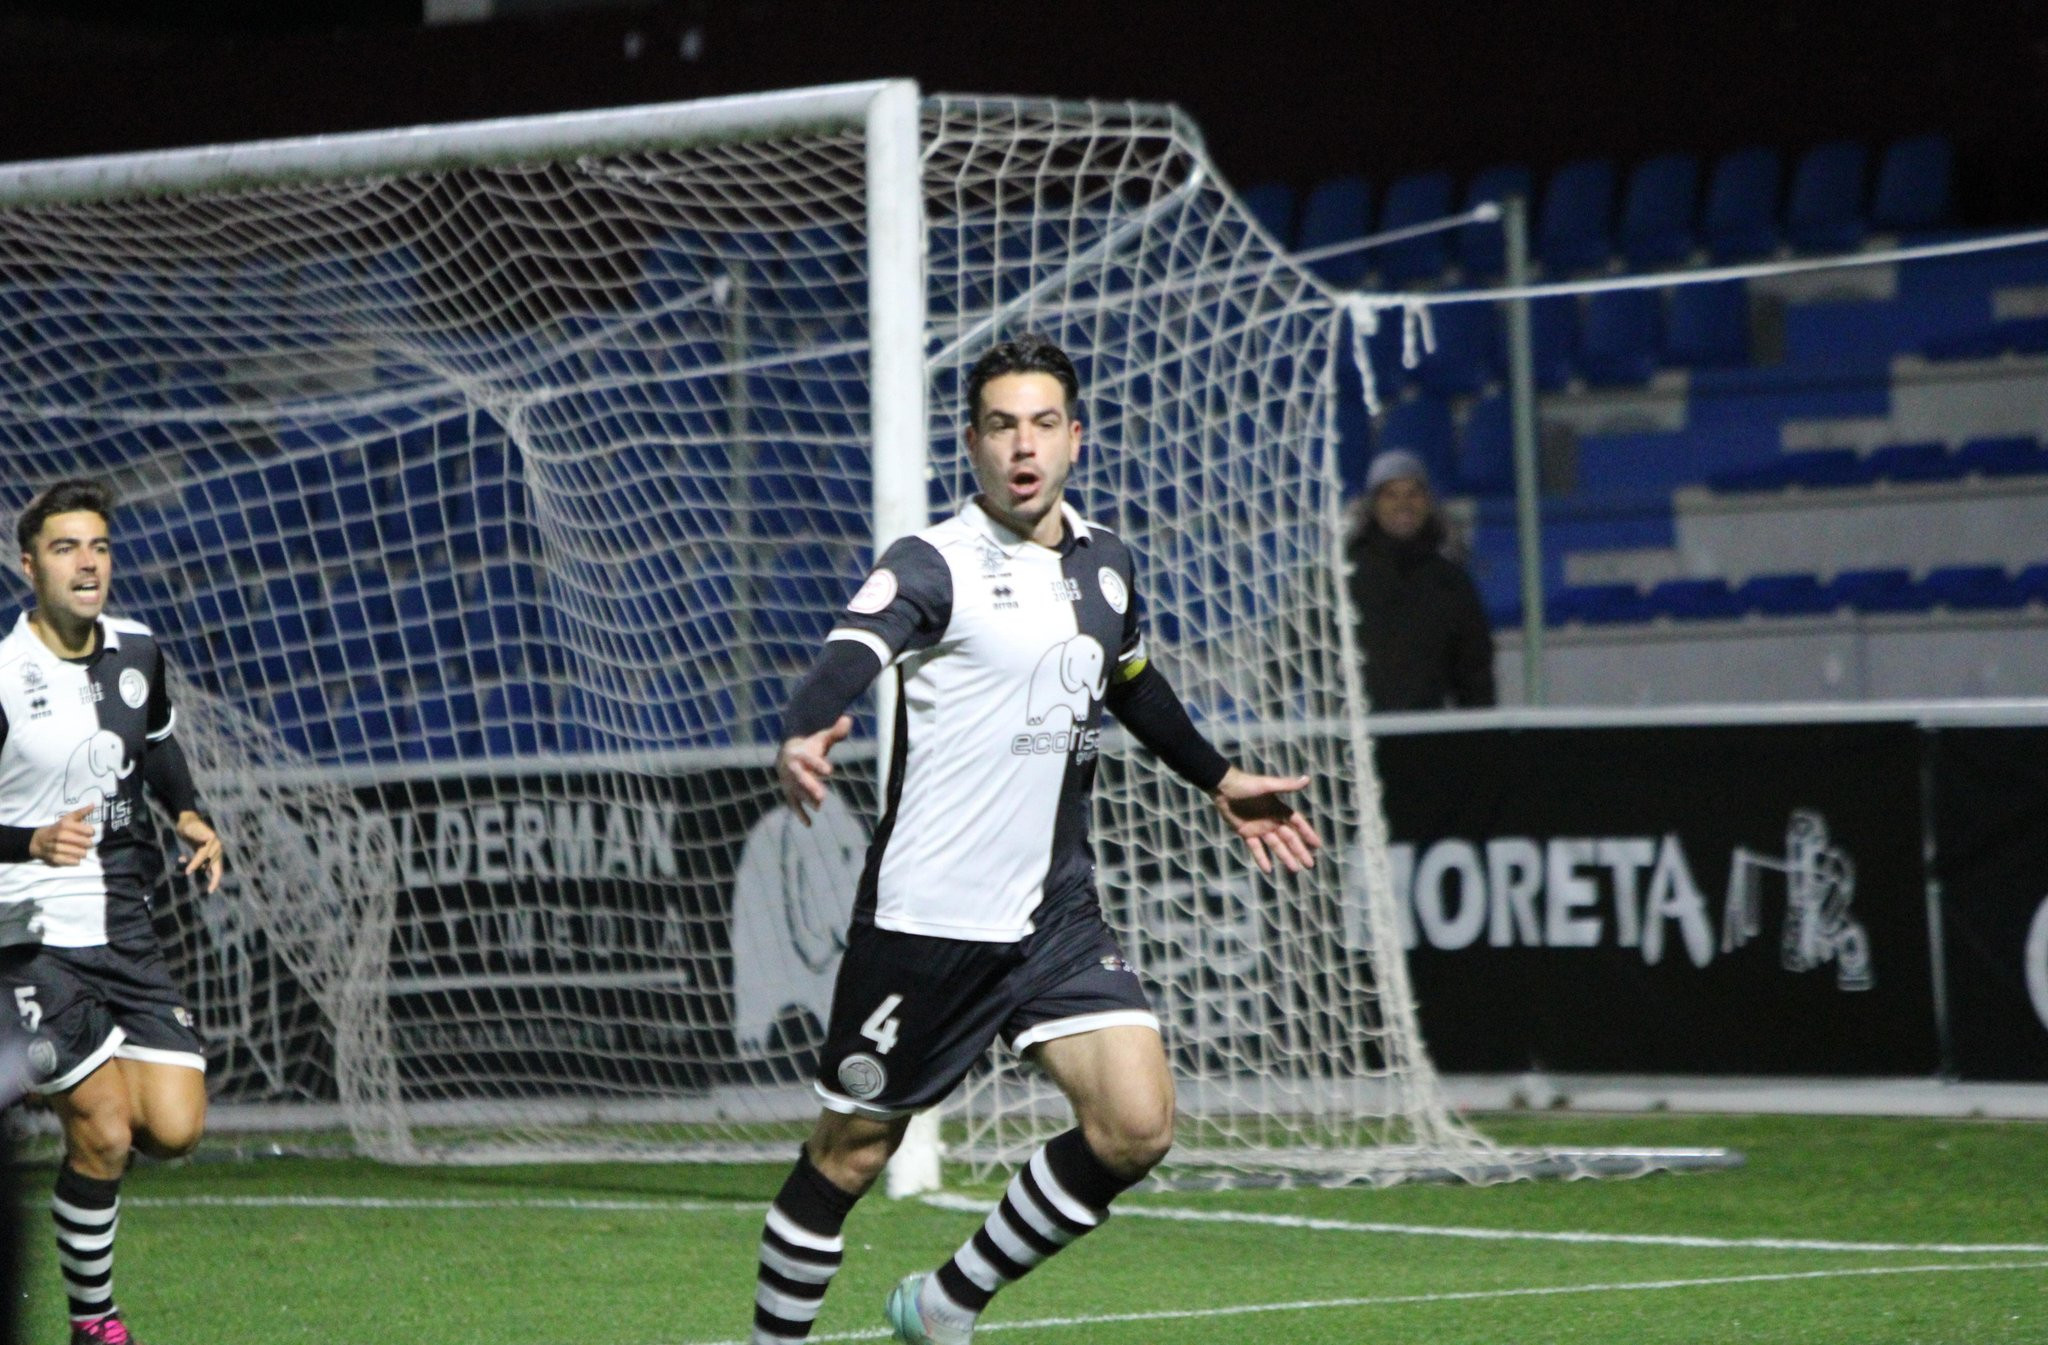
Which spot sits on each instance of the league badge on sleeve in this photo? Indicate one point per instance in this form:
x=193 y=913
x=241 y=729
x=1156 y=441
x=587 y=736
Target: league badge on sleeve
x=1113 y=591
x=877 y=593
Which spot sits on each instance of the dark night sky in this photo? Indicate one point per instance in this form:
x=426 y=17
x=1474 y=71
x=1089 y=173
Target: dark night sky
x=1294 y=91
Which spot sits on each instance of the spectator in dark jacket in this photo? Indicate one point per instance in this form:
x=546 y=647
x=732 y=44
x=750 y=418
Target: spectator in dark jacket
x=1420 y=623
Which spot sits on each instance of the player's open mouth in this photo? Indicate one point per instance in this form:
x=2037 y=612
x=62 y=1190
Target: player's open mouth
x=1025 y=484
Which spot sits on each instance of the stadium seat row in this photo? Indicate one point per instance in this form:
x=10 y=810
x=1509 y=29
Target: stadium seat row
x=1617 y=338
x=1957 y=588
x=1588 y=217
x=1478 y=459
x=2001 y=456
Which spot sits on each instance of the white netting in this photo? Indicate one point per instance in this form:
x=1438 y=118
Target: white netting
x=489 y=510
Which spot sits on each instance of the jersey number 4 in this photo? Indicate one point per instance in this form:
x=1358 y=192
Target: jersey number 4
x=880 y=1028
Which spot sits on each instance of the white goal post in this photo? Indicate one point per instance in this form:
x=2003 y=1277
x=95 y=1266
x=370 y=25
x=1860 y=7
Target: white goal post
x=487 y=485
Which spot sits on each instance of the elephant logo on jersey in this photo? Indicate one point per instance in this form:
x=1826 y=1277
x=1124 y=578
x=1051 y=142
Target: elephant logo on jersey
x=98 y=767
x=1068 y=678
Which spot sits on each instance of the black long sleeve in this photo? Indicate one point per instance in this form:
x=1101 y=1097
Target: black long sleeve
x=1148 y=707
x=843 y=670
x=165 y=771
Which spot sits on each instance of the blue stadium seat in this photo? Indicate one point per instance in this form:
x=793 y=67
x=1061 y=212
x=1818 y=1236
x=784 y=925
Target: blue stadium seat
x=215 y=610
x=2015 y=455
x=1554 y=340
x=429 y=613
x=1913 y=184
x=2032 y=583
x=1417 y=199
x=451 y=725
x=1915 y=462
x=518 y=719
x=2019 y=336
x=1486 y=454
x=296 y=492
x=1575 y=231
x=1828 y=468
x=1468 y=346
x=1825 y=213
x=1881 y=590
x=1422 y=426
x=303 y=721
x=1707 y=326
x=1972 y=588
x=1272 y=205
x=1618 y=342
x=1785 y=595
x=1741 y=219
x=1658 y=209
x=1975 y=343
x=1695 y=600
x=1482 y=248
x=1338 y=210
x=1597 y=604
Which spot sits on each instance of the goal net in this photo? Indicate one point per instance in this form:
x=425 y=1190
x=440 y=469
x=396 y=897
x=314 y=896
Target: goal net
x=488 y=487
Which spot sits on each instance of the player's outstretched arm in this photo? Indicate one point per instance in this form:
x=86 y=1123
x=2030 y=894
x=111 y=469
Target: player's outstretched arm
x=801 y=767
x=1267 y=822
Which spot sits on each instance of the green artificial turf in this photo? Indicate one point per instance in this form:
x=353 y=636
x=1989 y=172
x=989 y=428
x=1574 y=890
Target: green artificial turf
x=226 y=1253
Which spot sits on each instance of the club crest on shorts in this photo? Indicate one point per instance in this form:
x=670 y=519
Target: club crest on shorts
x=877 y=593
x=862 y=1076
x=134 y=688
x=1113 y=591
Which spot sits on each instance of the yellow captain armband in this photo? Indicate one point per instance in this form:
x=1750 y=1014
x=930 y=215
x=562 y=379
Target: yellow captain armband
x=1126 y=671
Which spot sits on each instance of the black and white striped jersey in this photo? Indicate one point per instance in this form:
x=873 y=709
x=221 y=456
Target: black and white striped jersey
x=1004 y=650
x=74 y=733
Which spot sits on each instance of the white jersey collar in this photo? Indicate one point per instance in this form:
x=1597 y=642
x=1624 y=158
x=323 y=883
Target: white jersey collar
x=1004 y=536
x=110 y=638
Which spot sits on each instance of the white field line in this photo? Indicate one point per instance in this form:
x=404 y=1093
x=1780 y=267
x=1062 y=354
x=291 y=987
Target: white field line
x=1135 y=1211
x=752 y=1208
x=1455 y=1296
x=971 y=1205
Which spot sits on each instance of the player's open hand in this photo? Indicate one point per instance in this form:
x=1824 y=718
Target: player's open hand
x=801 y=767
x=1268 y=823
x=65 y=841
x=206 y=848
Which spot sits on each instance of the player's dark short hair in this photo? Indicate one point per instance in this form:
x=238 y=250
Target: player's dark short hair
x=66 y=497
x=1028 y=354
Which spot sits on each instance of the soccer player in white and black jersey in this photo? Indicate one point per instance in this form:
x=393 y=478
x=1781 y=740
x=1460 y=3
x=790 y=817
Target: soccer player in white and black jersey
x=85 y=724
x=1011 y=627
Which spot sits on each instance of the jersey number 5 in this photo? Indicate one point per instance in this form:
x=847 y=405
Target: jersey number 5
x=880 y=1028
x=25 y=1005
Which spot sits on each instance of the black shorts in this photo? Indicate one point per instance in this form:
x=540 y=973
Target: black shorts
x=85 y=1006
x=911 y=1014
